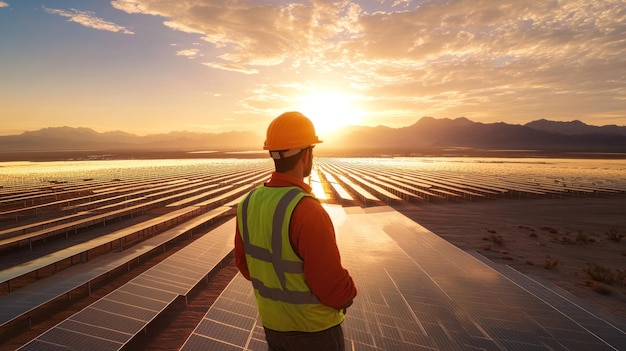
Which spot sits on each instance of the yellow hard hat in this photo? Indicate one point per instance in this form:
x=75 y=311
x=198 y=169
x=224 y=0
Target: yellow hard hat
x=291 y=130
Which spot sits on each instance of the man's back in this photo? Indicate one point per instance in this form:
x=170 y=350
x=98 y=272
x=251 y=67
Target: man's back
x=285 y=244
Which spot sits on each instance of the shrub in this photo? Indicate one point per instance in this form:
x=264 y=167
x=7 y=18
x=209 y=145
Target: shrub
x=549 y=229
x=614 y=235
x=550 y=263
x=496 y=239
x=564 y=240
x=598 y=287
x=605 y=275
x=582 y=238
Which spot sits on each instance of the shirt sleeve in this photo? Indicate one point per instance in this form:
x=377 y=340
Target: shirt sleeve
x=240 y=255
x=313 y=238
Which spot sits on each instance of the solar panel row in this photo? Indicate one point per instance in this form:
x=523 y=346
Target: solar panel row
x=114 y=320
x=419 y=292
x=414 y=292
x=231 y=323
x=437 y=183
x=36 y=294
x=24 y=299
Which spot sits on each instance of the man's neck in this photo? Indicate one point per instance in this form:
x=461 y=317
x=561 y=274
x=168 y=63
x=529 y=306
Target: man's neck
x=296 y=173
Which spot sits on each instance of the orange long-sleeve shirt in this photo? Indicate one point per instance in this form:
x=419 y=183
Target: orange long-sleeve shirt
x=313 y=238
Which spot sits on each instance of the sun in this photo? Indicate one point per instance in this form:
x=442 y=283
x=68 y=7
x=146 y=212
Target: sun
x=330 y=111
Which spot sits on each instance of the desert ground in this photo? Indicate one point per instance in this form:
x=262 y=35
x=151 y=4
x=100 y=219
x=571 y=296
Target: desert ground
x=574 y=243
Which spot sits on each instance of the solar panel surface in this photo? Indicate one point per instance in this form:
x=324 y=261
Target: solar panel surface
x=419 y=292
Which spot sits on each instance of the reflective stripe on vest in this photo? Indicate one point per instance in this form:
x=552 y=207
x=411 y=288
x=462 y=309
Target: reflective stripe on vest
x=280 y=265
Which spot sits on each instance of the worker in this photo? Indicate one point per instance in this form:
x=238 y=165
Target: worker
x=285 y=244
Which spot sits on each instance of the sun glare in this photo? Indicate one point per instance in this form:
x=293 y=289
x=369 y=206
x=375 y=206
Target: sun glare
x=330 y=111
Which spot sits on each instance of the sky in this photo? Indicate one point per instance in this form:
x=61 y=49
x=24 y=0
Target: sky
x=156 y=66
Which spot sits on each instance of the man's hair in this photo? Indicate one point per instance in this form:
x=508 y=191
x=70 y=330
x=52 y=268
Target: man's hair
x=288 y=163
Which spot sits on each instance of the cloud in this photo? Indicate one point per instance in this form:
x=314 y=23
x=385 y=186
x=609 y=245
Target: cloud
x=3 y=4
x=231 y=67
x=486 y=57
x=190 y=53
x=89 y=20
x=131 y=6
x=493 y=57
x=253 y=33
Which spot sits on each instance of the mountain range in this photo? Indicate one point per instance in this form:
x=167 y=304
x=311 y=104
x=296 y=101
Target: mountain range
x=67 y=138
x=439 y=134
x=427 y=134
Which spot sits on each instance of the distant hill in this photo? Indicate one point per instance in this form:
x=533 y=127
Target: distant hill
x=66 y=138
x=427 y=134
x=437 y=134
x=575 y=128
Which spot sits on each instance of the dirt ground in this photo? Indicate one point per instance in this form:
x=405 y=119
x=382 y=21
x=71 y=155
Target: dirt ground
x=576 y=243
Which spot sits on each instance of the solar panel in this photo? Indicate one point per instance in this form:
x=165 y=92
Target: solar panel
x=416 y=292
x=107 y=320
x=71 y=340
x=137 y=300
x=124 y=309
x=182 y=277
x=230 y=322
x=231 y=318
x=147 y=292
x=114 y=320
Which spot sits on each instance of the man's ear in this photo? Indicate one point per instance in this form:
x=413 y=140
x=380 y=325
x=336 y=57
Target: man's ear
x=305 y=155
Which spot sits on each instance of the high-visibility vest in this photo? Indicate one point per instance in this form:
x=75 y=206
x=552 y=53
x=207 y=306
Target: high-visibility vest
x=284 y=299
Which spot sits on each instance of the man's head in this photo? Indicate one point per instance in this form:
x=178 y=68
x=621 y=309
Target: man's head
x=291 y=138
